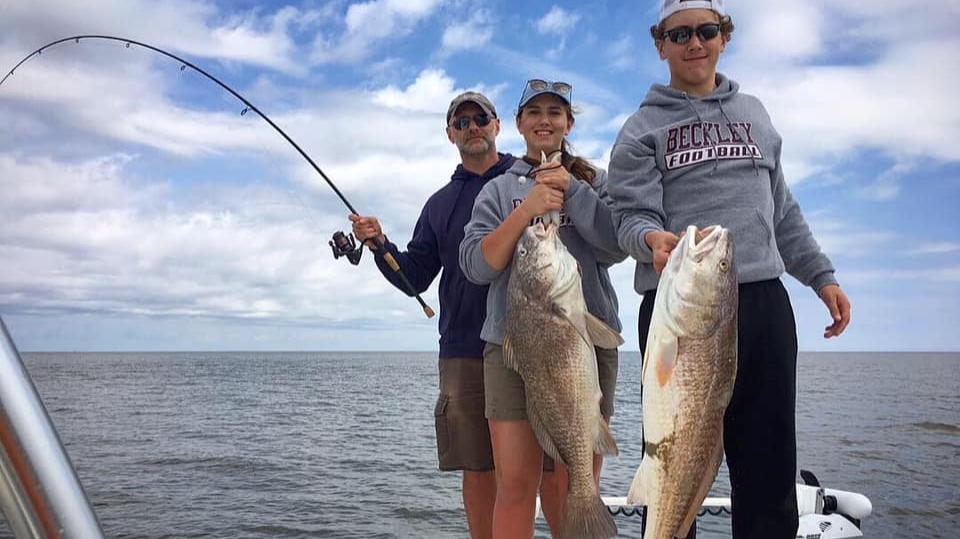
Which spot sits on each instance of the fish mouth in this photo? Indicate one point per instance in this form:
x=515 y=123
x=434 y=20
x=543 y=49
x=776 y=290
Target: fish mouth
x=543 y=232
x=702 y=241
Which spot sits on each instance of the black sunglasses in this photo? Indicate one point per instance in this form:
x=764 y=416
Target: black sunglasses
x=463 y=122
x=682 y=34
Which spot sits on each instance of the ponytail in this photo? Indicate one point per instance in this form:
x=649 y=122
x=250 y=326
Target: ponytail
x=578 y=166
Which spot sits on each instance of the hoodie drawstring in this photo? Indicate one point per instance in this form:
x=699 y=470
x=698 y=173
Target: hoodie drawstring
x=743 y=139
x=706 y=133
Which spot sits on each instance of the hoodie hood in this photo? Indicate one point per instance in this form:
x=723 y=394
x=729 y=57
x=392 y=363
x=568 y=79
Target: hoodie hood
x=670 y=98
x=501 y=166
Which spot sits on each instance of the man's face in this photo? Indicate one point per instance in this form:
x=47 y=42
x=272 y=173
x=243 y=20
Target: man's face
x=475 y=140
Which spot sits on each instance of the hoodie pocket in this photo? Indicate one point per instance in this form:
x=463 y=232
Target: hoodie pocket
x=765 y=224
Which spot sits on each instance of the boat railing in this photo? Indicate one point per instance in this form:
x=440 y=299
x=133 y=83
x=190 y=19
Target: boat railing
x=40 y=493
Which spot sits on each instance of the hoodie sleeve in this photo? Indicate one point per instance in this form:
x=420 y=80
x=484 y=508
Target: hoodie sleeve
x=636 y=193
x=486 y=217
x=801 y=254
x=589 y=211
x=420 y=262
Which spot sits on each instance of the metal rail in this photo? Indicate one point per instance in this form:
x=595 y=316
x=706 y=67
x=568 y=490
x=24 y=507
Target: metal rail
x=40 y=493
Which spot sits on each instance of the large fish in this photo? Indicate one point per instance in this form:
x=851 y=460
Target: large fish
x=689 y=367
x=549 y=341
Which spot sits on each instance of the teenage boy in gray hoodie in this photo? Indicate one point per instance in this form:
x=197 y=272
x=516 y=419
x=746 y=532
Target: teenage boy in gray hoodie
x=700 y=152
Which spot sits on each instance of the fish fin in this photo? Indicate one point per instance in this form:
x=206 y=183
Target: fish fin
x=606 y=444
x=581 y=327
x=666 y=360
x=703 y=489
x=543 y=436
x=509 y=357
x=601 y=334
x=642 y=480
x=587 y=517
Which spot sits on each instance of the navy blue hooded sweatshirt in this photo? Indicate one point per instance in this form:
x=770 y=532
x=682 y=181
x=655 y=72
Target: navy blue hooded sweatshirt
x=436 y=244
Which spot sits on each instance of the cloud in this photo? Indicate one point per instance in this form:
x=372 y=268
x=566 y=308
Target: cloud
x=368 y=24
x=557 y=21
x=473 y=33
x=840 y=82
x=95 y=235
x=186 y=27
x=887 y=185
x=111 y=244
x=621 y=53
x=432 y=86
x=935 y=248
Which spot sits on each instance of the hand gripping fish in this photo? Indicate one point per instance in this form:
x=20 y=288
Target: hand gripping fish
x=549 y=341
x=689 y=367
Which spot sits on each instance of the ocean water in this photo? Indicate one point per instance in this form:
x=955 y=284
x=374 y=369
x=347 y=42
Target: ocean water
x=341 y=445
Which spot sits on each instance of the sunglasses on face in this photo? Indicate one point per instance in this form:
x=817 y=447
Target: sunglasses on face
x=463 y=122
x=539 y=85
x=682 y=34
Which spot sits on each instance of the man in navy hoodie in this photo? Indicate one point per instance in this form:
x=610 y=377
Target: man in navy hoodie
x=463 y=438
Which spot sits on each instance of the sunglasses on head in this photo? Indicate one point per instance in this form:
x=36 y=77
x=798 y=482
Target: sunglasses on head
x=461 y=123
x=539 y=85
x=682 y=34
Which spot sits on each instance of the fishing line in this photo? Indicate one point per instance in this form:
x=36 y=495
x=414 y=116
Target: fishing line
x=340 y=244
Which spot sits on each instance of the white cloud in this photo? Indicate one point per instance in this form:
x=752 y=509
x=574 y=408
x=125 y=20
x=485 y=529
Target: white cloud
x=841 y=80
x=621 y=53
x=557 y=21
x=935 y=248
x=185 y=27
x=370 y=23
x=473 y=33
x=431 y=87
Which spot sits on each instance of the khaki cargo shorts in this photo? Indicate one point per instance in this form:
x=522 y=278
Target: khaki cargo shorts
x=505 y=396
x=463 y=437
x=506 y=399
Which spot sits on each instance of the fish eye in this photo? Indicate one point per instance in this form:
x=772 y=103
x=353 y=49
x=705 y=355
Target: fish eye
x=724 y=266
x=522 y=251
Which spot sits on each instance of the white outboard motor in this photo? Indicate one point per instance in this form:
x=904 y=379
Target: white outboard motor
x=829 y=513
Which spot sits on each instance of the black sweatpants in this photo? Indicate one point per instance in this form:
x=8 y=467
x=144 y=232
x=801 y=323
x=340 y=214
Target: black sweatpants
x=759 y=428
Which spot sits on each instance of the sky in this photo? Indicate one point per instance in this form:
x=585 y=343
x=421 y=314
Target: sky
x=140 y=210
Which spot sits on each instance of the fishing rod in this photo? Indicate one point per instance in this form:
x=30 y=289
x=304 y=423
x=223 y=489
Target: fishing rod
x=341 y=244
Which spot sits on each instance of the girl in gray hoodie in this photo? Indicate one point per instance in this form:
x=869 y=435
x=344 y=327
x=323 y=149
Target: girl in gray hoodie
x=505 y=207
x=699 y=152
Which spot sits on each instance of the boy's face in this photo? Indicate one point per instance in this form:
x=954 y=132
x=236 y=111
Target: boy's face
x=693 y=65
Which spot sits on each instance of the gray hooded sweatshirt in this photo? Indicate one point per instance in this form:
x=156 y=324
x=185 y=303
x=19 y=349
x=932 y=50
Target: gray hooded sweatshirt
x=682 y=160
x=586 y=229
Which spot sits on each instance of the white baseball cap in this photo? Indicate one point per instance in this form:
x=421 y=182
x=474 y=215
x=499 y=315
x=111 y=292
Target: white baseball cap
x=669 y=7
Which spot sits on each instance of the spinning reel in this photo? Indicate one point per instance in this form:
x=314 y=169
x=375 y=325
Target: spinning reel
x=344 y=245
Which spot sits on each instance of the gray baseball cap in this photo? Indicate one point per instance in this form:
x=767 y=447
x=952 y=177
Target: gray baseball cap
x=471 y=97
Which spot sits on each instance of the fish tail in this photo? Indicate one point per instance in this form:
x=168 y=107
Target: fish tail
x=586 y=517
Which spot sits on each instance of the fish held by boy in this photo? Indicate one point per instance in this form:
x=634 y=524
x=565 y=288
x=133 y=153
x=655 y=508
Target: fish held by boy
x=689 y=368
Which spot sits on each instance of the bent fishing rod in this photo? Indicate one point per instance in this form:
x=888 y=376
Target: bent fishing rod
x=341 y=244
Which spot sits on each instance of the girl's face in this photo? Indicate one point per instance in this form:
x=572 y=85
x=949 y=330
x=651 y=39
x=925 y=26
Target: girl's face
x=543 y=122
x=693 y=65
